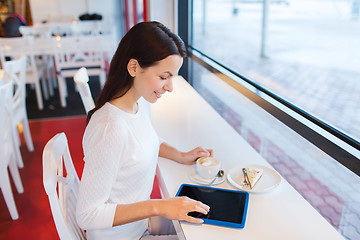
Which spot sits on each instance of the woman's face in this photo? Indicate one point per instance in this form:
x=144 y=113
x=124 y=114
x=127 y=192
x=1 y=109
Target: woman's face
x=152 y=82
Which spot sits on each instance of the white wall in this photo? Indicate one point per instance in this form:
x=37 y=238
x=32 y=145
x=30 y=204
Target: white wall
x=164 y=11
x=45 y=10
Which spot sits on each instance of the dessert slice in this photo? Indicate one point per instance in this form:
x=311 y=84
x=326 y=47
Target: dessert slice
x=253 y=175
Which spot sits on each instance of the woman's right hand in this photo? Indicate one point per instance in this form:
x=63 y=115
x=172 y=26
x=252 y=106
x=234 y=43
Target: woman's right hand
x=177 y=208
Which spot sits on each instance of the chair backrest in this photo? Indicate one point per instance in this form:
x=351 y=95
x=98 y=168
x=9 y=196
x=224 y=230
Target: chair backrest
x=12 y=110
x=81 y=79
x=8 y=149
x=61 y=189
x=18 y=47
x=17 y=70
x=6 y=91
x=75 y=52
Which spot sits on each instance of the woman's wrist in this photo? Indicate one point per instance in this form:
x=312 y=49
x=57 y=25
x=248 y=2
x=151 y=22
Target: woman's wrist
x=181 y=157
x=170 y=152
x=156 y=207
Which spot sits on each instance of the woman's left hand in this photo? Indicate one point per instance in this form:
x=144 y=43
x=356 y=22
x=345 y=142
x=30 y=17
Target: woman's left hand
x=190 y=157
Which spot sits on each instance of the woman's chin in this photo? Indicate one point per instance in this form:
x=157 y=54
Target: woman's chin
x=151 y=100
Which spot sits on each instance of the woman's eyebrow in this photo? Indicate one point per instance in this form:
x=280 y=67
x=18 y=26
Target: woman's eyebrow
x=169 y=73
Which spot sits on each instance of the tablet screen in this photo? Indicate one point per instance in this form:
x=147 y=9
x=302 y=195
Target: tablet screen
x=227 y=207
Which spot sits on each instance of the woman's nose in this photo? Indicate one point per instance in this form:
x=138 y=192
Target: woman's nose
x=169 y=85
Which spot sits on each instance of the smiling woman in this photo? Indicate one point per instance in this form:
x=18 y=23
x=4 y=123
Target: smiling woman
x=120 y=143
x=154 y=81
x=144 y=46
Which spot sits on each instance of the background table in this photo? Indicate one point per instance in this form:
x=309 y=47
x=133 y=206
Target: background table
x=185 y=120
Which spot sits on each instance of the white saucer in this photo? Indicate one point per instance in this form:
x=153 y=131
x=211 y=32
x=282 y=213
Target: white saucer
x=268 y=181
x=203 y=181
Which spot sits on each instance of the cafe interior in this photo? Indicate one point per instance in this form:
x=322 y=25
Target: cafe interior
x=271 y=86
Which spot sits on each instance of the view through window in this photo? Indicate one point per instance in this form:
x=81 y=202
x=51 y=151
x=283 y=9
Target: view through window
x=308 y=52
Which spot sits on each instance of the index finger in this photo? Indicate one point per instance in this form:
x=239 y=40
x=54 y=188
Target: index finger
x=210 y=152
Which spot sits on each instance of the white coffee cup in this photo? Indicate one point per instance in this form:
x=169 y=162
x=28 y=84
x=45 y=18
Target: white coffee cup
x=207 y=167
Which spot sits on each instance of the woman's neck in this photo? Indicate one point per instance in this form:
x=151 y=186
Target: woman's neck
x=127 y=103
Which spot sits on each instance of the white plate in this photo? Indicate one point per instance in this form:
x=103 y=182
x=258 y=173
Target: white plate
x=268 y=181
x=203 y=181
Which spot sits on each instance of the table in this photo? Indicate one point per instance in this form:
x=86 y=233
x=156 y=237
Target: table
x=74 y=52
x=67 y=28
x=185 y=120
x=48 y=46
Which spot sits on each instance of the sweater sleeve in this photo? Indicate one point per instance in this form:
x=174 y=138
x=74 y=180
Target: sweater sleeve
x=103 y=145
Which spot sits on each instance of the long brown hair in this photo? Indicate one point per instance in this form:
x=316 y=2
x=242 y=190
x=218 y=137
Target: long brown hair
x=148 y=43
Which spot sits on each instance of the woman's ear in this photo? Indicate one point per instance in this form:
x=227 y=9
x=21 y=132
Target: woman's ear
x=132 y=67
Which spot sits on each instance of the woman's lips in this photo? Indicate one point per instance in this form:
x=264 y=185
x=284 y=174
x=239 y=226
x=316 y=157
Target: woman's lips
x=158 y=95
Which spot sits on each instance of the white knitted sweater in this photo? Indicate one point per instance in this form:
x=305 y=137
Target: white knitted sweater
x=120 y=154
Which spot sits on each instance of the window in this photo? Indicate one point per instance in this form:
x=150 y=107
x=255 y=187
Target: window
x=302 y=58
x=307 y=52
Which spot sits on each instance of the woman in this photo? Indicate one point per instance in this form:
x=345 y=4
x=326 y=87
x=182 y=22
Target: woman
x=120 y=145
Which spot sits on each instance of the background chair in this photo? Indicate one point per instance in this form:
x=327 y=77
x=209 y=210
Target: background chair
x=8 y=149
x=18 y=46
x=81 y=79
x=61 y=190
x=17 y=70
x=45 y=61
x=73 y=53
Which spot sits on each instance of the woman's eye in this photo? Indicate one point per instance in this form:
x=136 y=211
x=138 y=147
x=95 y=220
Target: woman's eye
x=163 y=78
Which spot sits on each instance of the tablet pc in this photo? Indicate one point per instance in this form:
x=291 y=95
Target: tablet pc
x=227 y=207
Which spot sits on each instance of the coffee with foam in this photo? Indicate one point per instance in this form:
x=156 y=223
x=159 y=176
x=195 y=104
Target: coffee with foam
x=208 y=161
x=207 y=167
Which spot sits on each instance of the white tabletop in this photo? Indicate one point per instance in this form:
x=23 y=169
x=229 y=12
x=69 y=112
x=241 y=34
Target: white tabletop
x=185 y=120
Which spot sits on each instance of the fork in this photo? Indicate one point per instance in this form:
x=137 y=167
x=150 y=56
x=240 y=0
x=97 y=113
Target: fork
x=245 y=177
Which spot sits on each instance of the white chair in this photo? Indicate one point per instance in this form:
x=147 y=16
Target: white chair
x=8 y=150
x=73 y=53
x=18 y=46
x=17 y=70
x=45 y=61
x=81 y=79
x=61 y=190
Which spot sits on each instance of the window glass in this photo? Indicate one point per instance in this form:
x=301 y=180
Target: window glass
x=328 y=186
x=307 y=52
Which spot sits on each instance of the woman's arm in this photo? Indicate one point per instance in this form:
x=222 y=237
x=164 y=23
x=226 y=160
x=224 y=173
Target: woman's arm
x=190 y=157
x=173 y=209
